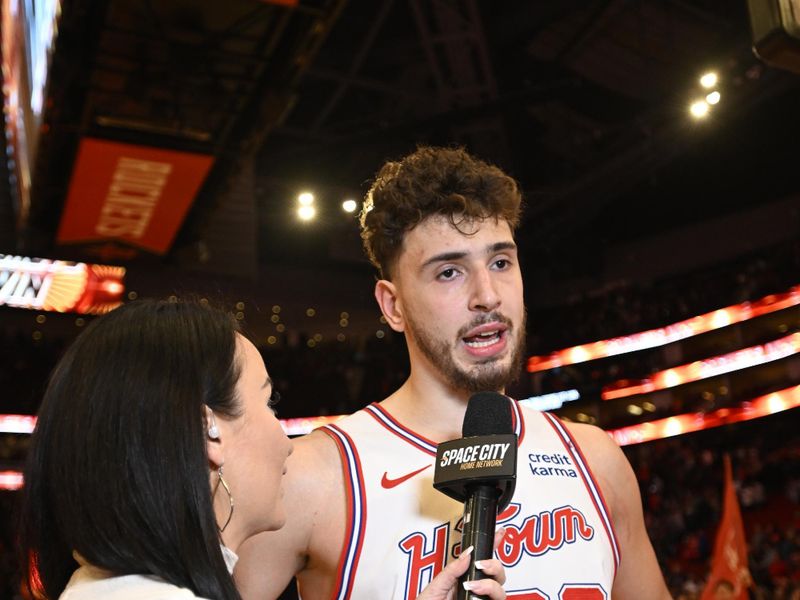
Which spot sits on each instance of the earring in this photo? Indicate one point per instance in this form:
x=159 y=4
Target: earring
x=213 y=432
x=227 y=491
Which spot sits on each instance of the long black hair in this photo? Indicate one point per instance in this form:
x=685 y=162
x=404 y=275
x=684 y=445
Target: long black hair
x=118 y=469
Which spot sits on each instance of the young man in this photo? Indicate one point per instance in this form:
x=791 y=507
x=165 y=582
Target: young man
x=439 y=227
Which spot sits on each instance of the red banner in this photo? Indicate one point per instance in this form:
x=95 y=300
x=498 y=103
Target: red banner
x=136 y=194
x=730 y=576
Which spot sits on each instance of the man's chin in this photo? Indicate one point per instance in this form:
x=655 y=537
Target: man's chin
x=482 y=379
x=499 y=361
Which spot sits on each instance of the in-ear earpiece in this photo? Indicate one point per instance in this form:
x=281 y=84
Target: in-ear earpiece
x=213 y=431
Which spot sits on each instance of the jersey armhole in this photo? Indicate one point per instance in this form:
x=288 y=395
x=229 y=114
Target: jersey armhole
x=356 y=511
x=590 y=481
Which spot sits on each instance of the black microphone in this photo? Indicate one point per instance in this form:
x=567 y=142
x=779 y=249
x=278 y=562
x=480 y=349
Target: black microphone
x=480 y=469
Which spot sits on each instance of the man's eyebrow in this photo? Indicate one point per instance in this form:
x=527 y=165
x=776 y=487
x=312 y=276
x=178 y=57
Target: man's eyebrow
x=448 y=256
x=443 y=257
x=501 y=246
x=267 y=383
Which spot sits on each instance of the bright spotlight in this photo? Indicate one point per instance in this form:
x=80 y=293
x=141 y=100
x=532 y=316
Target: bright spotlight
x=349 y=206
x=699 y=109
x=306 y=212
x=713 y=98
x=306 y=199
x=709 y=80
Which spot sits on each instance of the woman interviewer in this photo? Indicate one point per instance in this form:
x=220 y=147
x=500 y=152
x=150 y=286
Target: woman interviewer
x=156 y=454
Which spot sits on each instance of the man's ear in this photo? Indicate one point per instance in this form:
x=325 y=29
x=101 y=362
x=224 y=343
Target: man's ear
x=391 y=306
x=216 y=456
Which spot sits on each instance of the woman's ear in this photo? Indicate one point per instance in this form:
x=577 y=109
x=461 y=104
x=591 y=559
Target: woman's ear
x=391 y=305
x=213 y=439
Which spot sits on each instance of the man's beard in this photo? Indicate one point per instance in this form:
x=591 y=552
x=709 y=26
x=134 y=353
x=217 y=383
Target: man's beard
x=485 y=376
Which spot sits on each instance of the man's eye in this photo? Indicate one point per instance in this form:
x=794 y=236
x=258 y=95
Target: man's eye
x=447 y=274
x=274 y=399
x=501 y=263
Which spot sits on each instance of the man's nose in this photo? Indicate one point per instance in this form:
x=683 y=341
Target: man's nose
x=484 y=296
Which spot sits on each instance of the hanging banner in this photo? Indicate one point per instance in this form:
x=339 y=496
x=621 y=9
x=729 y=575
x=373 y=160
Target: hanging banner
x=135 y=194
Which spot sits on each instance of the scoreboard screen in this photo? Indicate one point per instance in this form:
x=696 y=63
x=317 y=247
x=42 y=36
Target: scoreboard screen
x=60 y=286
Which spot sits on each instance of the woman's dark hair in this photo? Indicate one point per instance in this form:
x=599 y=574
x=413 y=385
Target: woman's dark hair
x=117 y=469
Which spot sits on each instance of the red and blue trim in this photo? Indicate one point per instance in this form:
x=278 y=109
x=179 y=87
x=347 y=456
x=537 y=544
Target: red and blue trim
x=391 y=424
x=517 y=421
x=382 y=416
x=595 y=493
x=356 y=511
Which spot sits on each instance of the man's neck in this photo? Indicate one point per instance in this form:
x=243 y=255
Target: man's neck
x=429 y=407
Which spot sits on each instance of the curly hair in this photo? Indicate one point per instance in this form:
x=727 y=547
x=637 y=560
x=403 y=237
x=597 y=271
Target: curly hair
x=432 y=181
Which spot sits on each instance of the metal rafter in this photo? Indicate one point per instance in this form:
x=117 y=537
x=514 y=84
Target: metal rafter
x=355 y=66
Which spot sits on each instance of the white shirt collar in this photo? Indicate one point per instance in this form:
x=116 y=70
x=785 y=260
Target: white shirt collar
x=230 y=557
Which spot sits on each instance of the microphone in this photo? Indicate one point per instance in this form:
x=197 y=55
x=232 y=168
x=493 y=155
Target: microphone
x=480 y=469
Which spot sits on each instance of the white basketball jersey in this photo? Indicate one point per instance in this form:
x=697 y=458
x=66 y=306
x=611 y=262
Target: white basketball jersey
x=559 y=542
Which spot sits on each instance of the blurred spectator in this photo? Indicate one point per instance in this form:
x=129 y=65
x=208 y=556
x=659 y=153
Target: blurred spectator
x=680 y=478
x=681 y=484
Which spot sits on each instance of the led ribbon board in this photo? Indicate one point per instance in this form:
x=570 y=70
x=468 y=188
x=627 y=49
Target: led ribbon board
x=653 y=338
x=704 y=369
x=762 y=406
x=60 y=286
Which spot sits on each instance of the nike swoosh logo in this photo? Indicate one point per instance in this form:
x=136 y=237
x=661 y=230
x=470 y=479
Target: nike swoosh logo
x=390 y=483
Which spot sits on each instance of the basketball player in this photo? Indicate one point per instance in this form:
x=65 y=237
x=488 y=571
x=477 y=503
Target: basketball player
x=439 y=227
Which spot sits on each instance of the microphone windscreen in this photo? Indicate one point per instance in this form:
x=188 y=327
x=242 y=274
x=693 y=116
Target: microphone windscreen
x=488 y=413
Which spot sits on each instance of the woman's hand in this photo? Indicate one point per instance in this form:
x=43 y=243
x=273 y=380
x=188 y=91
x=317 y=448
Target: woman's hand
x=442 y=587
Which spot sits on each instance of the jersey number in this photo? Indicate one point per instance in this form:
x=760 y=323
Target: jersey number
x=582 y=591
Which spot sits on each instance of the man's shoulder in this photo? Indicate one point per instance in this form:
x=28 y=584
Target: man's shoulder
x=608 y=463
x=318 y=449
x=312 y=452
x=604 y=456
x=601 y=451
x=591 y=435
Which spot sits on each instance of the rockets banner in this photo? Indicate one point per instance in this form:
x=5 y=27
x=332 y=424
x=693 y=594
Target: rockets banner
x=135 y=194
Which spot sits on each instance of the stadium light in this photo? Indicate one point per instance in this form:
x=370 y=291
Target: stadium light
x=709 y=80
x=306 y=212
x=699 y=109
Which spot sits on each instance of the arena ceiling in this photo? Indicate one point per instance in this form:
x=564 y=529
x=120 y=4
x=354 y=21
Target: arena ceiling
x=585 y=102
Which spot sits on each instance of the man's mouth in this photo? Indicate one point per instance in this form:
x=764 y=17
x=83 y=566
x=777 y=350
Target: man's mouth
x=486 y=338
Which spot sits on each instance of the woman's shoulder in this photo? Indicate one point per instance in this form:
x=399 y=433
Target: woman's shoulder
x=90 y=583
